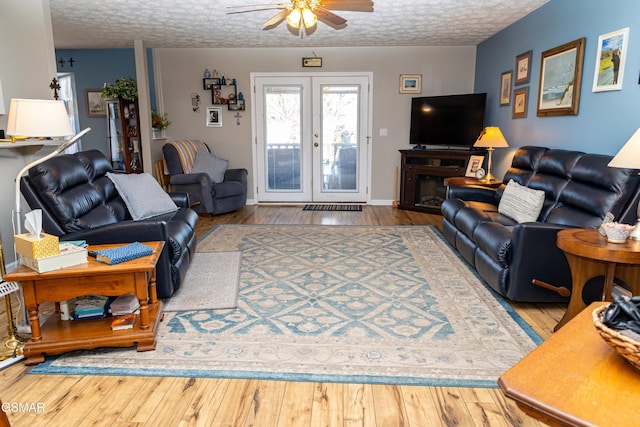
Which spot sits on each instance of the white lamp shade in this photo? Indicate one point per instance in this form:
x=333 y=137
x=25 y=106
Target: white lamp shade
x=629 y=154
x=491 y=136
x=38 y=118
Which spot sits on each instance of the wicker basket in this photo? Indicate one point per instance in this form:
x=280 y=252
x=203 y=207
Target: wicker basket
x=625 y=346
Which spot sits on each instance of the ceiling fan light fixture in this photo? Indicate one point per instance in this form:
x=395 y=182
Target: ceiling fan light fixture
x=310 y=19
x=294 y=18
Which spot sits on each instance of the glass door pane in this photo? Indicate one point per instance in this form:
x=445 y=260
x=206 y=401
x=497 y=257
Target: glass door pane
x=283 y=137
x=339 y=137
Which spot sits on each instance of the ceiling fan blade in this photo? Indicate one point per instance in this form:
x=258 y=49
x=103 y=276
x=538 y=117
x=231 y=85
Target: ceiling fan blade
x=253 y=10
x=275 y=20
x=350 y=5
x=269 y=5
x=330 y=18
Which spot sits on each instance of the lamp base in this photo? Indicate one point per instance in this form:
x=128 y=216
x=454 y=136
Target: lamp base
x=487 y=178
x=635 y=233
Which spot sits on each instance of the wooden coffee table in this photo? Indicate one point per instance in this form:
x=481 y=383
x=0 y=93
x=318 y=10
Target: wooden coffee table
x=575 y=378
x=590 y=255
x=56 y=336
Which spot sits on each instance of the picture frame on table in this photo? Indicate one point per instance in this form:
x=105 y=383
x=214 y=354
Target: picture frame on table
x=610 y=60
x=475 y=163
x=523 y=68
x=520 y=100
x=96 y=104
x=214 y=116
x=410 y=83
x=560 y=79
x=505 y=88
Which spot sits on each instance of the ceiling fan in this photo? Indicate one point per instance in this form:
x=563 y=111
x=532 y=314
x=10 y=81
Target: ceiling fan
x=304 y=14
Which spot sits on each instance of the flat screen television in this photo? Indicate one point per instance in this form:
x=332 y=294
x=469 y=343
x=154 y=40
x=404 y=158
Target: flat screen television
x=450 y=121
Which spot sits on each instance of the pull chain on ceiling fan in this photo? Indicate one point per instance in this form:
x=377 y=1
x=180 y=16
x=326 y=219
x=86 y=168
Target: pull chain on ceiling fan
x=304 y=14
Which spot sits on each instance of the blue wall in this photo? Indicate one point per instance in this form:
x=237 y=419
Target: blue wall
x=605 y=120
x=92 y=68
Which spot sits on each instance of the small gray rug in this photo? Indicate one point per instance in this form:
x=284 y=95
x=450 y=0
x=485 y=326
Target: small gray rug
x=211 y=283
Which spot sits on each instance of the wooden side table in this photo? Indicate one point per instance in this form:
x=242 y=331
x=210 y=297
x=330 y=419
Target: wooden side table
x=590 y=255
x=465 y=180
x=574 y=378
x=56 y=336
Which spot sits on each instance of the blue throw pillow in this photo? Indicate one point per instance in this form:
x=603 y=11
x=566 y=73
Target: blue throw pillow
x=213 y=166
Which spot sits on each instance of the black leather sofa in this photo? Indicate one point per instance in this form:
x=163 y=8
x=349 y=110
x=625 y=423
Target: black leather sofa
x=580 y=189
x=79 y=202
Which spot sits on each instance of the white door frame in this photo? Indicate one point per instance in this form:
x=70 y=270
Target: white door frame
x=255 y=122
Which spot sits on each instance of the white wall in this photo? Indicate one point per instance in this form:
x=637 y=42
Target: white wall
x=445 y=70
x=26 y=69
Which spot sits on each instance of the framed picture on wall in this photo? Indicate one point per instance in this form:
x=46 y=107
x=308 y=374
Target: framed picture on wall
x=520 y=99
x=523 y=68
x=410 y=83
x=560 y=79
x=505 y=88
x=214 y=116
x=96 y=104
x=610 y=60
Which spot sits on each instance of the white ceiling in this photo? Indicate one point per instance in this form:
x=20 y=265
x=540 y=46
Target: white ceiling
x=86 y=24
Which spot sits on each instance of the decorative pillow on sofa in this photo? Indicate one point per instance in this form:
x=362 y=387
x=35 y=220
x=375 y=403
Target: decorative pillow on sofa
x=213 y=166
x=523 y=204
x=142 y=194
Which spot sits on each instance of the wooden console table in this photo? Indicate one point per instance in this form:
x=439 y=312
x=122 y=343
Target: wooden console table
x=56 y=336
x=574 y=378
x=590 y=255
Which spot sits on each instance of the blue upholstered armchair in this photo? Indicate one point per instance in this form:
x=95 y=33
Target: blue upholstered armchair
x=212 y=187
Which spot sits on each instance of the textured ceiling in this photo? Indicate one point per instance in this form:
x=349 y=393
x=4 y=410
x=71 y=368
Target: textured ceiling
x=83 y=24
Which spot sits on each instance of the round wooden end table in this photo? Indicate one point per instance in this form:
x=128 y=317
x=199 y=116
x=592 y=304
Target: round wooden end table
x=590 y=255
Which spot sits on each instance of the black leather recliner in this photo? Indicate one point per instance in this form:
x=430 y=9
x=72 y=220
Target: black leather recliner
x=79 y=202
x=579 y=191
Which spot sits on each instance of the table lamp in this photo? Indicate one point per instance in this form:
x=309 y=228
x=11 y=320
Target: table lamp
x=629 y=157
x=37 y=118
x=489 y=138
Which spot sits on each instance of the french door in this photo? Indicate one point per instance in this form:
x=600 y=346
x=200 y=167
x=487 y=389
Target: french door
x=311 y=134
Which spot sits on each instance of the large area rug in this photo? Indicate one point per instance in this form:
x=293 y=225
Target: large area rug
x=359 y=304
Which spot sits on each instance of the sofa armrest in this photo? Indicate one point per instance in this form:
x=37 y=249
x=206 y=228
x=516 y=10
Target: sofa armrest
x=475 y=193
x=535 y=255
x=238 y=174
x=181 y=199
x=199 y=187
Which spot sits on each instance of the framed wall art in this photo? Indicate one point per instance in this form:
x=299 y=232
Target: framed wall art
x=96 y=104
x=505 y=88
x=214 y=116
x=560 y=79
x=520 y=99
x=610 y=60
x=410 y=83
x=523 y=68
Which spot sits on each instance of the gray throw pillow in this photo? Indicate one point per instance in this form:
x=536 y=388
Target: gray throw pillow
x=142 y=194
x=521 y=203
x=213 y=166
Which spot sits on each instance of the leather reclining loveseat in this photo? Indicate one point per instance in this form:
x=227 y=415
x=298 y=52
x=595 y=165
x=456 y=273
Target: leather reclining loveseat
x=79 y=202
x=580 y=189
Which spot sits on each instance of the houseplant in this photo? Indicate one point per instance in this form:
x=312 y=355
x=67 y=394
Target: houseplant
x=159 y=121
x=124 y=87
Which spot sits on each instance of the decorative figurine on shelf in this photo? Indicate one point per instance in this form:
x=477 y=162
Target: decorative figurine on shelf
x=240 y=96
x=215 y=74
x=223 y=81
x=207 y=73
x=233 y=81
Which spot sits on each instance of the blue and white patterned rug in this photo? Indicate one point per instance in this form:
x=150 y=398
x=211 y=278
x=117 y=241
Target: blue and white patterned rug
x=357 y=304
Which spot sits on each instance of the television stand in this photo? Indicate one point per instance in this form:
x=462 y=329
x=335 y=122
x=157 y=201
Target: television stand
x=423 y=172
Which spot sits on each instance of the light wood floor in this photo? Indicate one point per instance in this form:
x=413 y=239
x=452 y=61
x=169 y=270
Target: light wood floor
x=141 y=401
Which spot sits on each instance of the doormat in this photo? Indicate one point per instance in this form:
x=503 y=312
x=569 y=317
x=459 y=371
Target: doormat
x=323 y=207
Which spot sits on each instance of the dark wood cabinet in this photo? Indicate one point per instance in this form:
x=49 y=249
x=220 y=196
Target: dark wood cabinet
x=124 y=135
x=423 y=173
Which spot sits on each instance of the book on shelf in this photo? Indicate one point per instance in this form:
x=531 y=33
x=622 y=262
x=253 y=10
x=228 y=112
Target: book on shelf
x=124 y=304
x=90 y=307
x=69 y=255
x=123 y=322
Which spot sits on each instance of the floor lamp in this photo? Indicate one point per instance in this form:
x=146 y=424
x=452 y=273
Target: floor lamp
x=490 y=138
x=36 y=118
x=629 y=157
